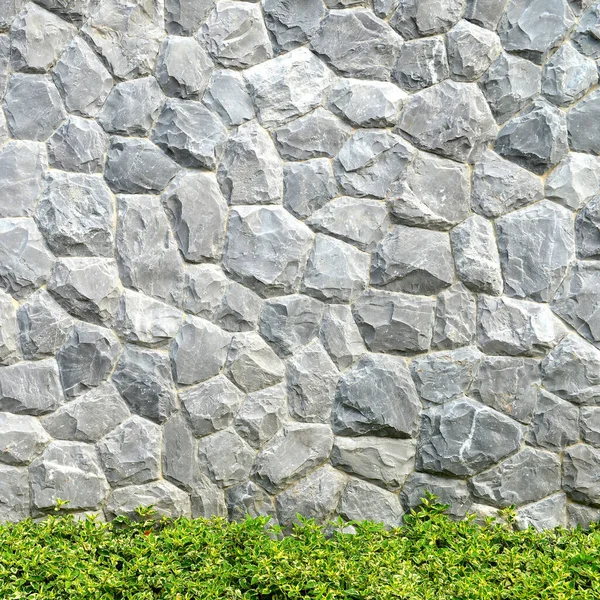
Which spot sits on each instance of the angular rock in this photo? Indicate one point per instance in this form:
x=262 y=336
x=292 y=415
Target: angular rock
x=227 y=96
x=585 y=35
x=421 y=64
x=485 y=13
x=455 y=318
x=9 y=331
x=10 y=9
x=4 y=55
x=393 y=411
x=249 y=500
x=72 y=10
x=545 y=514
x=583 y=516
x=239 y=310
x=21 y=439
x=293 y=23
x=589 y=423
x=340 y=336
x=580 y=122
x=575 y=181
x=580 y=466
x=421 y=18
x=184 y=17
x=203 y=291
x=384 y=8
x=362 y=501
x=14 y=494
x=587 y=230
x=555 y=423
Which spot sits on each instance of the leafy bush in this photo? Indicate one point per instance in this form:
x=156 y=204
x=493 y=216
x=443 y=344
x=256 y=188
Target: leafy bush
x=430 y=557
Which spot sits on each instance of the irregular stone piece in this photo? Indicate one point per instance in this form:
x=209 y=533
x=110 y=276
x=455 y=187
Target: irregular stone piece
x=537 y=246
x=227 y=96
x=357 y=44
x=239 y=310
x=266 y=248
x=144 y=379
x=448 y=491
x=536 y=138
x=288 y=86
x=432 y=193
x=510 y=84
x=148 y=258
x=249 y=500
x=575 y=181
x=514 y=327
x=87 y=358
x=293 y=23
x=212 y=405
x=589 y=424
x=464 y=438
x=21 y=439
x=340 y=336
x=76 y=215
x=362 y=501
x=485 y=13
x=203 y=291
x=421 y=18
x=452 y=119
x=137 y=166
x=580 y=122
x=179 y=454
x=533 y=28
x=251 y=171
x=585 y=35
x=72 y=10
x=235 y=35
x=183 y=68
x=89 y=417
x=548 y=513
x=393 y=322
x=455 y=318
x=555 y=423
x=296 y=450
x=183 y=17
x=14 y=494
x=9 y=331
x=4 y=57
x=69 y=471
x=198 y=351
x=384 y=8
x=583 y=516
x=500 y=186
x=376 y=396
x=412 y=260
x=10 y=9
x=580 y=466
x=421 y=64
x=88 y=288
x=33 y=106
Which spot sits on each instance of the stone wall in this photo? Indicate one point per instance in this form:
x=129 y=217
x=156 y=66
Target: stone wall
x=300 y=256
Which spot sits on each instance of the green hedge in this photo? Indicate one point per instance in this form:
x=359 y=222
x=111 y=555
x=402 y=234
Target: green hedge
x=430 y=557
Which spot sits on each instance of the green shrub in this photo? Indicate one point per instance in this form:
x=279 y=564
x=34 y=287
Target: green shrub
x=430 y=557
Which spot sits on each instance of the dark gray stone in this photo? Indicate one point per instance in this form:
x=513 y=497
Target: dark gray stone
x=227 y=96
x=340 y=336
x=421 y=64
x=421 y=18
x=585 y=35
x=580 y=468
x=555 y=423
x=455 y=318
x=21 y=439
x=293 y=23
x=581 y=119
x=363 y=501
x=575 y=181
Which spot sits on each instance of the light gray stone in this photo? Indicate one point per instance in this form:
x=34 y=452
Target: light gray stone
x=293 y=23
x=9 y=330
x=548 y=513
x=340 y=336
x=581 y=119
x=580 y=468
x=239 y=310
x=10 y=9
x=14 y=493
x=589 y=423
x=421 y=64
x=555 y=423
x=583 y=516
x=203 y=291
x=21 y=439
x=455 y=318
x=485 y=13
x=226 y=95
x=421 y=18
x=575 y=181
x=249 y=500
x=363 y=501
x=184 y=17
x=72 y=10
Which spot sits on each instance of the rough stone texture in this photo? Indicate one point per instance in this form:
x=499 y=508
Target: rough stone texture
x=340 y=336
x=292 y=23
x=421 y=64
x=575 y=181
x=21 y=439
x=227 y=96
x=9 y=331
x=363 y=501
x=580 y=464
x=580 y=119
x=555 y=424
x=418 y=18
x=166 y=499
x=455 y=318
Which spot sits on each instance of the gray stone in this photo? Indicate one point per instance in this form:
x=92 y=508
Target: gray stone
x=357 y=44
x=500 y=186
x=510 y=84
x=251 y=171
x=249 y=500
x=370 y=161
x=281 y=242
x=204 y=288
x=198 y=214
x=78 y=145
x=537 y=246
x=10 y=9
x=9 y=330
x=240 y=309
x=14 y=493
x=184 y=17
x=421 y=64
x=4 y=56
x=148 y=258
x=580 y=468
x=212 y=405
x=293 y=23
x=25 y=262
x=536 y=138
x=227 y=96
x=166 y=499
x=363 y=501
x=38 y=38
x=452 y=119
x=33 y=106
x=183 y=68
x=548 y=513
x=509 y=385
x=137 y=166
x=43 y=325
x=455 y=318
x=471 y=51
x=581 y=120
x=443 y=376
x=567 y=76
x=292 y=453
x=340 y=336
x=514 y=327
x=88 y=288
x=412 y=260
x=89 y=417
x=4 y=135
x=555 y=423
x=464 y=438
x=76 y=215
x=394 y=322
x=143 y=378
x=290 y=322
x=382 y=461
x=207 y=499
x=82 y=79
x=533 y=28
x=251 y=363
x=421 y=18
x=362 y=222
x=30 y=388
x=376 y=396
x=476 y=255
x=69 y=471
x=585 y=35
x=485 y=13
x=384 y=8
x=318 y=134
x=87 y=358
x=23 y=168
x=235 y=35
x=433 y=193
x=288 y=86
x=589 y=424
x=262 y=414
x=225 y=457
x=582 y=516
x=575 y=181
x=572 y=371
x=179 y=454
x=72 y=10
x=21 y=439
x=198 y=352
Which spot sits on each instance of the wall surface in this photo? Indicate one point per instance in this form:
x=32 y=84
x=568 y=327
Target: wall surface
x=300 y=257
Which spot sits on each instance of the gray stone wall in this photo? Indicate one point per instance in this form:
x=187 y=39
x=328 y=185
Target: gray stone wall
x=300 y=256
